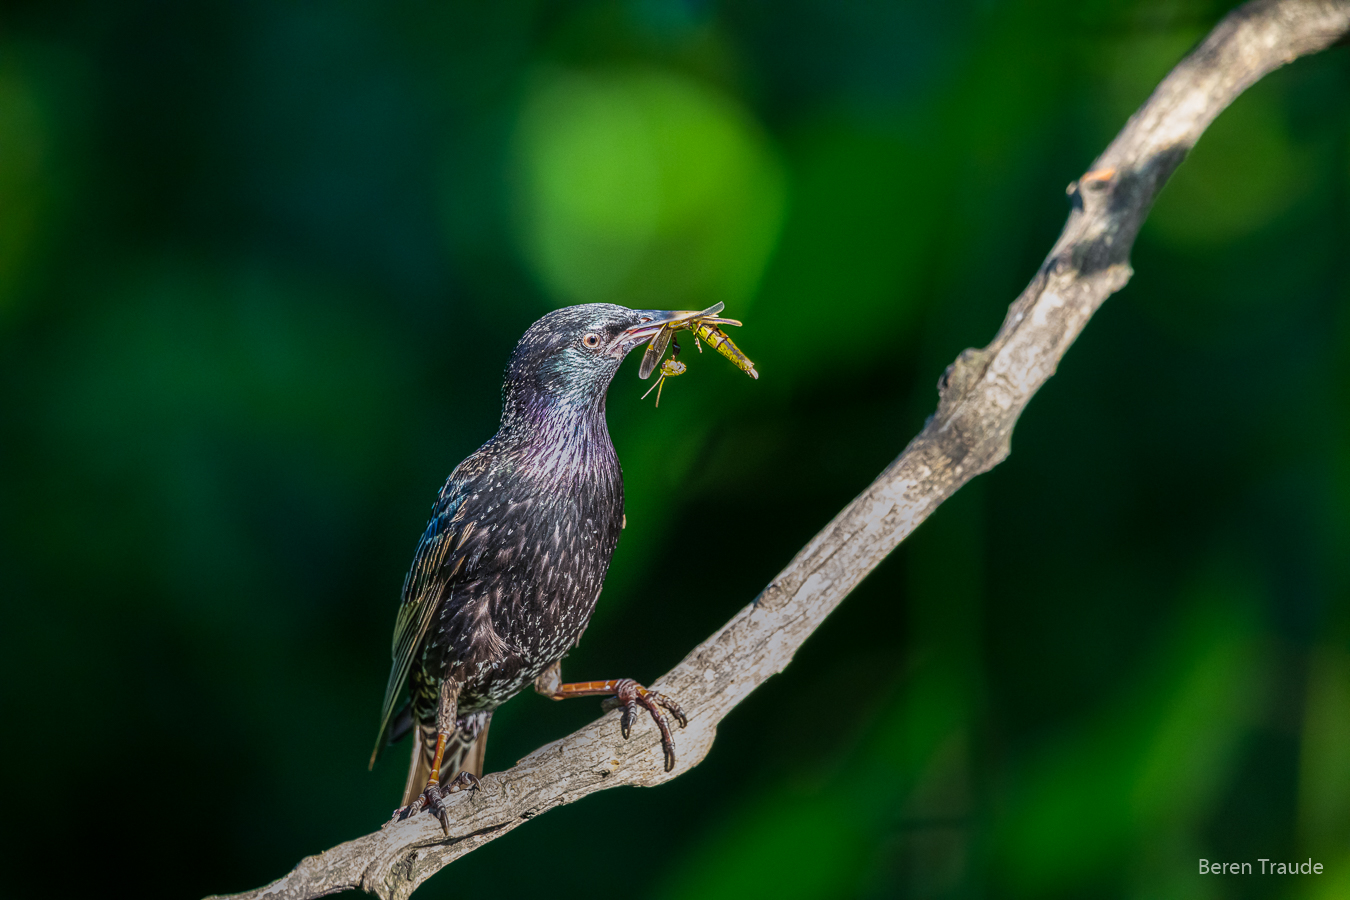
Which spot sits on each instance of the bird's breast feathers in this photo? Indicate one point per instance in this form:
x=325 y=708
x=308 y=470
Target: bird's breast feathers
x=525 y=568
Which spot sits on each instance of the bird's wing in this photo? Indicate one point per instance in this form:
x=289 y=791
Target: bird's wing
x=434 y=569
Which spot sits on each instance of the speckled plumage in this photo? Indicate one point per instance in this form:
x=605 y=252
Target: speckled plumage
x=508 y=571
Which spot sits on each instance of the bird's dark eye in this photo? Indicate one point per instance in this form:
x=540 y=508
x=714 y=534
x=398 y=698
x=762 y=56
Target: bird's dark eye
x=591 y=341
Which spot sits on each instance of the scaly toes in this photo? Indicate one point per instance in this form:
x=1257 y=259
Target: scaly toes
x=667 y=741
x=412 y=809
x=630 y=712
x=434 y=798
x=630 y=695
x=441 y=808
x=670 y=705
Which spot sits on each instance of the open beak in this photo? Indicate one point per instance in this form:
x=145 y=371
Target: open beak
x=652 y=321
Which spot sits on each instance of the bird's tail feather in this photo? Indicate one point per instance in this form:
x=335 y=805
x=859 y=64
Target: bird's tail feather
x=473 y=757
x=419 y=771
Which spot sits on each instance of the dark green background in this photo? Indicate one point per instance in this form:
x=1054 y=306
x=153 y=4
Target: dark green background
x=261 y=264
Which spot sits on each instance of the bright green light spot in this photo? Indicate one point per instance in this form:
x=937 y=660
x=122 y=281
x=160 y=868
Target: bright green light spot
x=645 y=188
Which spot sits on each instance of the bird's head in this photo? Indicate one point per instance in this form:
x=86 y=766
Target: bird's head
x=569 y=357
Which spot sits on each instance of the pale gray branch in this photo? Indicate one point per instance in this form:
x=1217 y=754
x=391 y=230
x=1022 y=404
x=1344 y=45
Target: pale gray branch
x=982 y=395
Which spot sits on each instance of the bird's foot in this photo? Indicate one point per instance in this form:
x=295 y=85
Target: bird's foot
x=434 y=798
x=629 y=695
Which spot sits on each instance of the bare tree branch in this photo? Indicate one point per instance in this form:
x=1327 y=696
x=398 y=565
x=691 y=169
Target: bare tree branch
x=982 y=395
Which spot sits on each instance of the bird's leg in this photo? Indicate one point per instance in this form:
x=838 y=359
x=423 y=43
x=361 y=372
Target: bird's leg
x=448 y=726
x=625 y=694
x=431 y=793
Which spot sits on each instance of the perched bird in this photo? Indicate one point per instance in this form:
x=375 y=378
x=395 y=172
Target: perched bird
x=507 y=573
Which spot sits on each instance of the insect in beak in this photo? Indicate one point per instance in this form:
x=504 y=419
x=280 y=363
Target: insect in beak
x=658 y=329
x=704 y=325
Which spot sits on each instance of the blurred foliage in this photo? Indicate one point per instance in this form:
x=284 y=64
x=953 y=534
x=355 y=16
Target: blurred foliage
x=261 y=266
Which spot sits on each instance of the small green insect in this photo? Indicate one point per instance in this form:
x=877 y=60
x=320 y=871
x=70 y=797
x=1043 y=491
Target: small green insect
x=669 y=369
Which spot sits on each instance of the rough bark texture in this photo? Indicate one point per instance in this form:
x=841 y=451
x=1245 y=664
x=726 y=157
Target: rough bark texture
x=982 y=395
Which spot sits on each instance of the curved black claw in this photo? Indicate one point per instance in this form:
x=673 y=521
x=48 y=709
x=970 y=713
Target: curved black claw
x=464 y=781
x=629 y=695
x=434 y=799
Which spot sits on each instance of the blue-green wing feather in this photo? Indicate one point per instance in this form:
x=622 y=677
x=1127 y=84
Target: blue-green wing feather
x=434 y=570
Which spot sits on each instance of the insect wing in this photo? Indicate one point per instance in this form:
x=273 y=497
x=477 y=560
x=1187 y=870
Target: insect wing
x=655 y=350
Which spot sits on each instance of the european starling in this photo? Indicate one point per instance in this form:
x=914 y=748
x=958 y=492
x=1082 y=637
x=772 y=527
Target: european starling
x=507 y=573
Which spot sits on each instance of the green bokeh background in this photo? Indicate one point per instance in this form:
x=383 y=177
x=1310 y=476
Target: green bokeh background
x=261 y=265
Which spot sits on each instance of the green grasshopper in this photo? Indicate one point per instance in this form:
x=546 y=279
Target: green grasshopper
x=704 y=325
